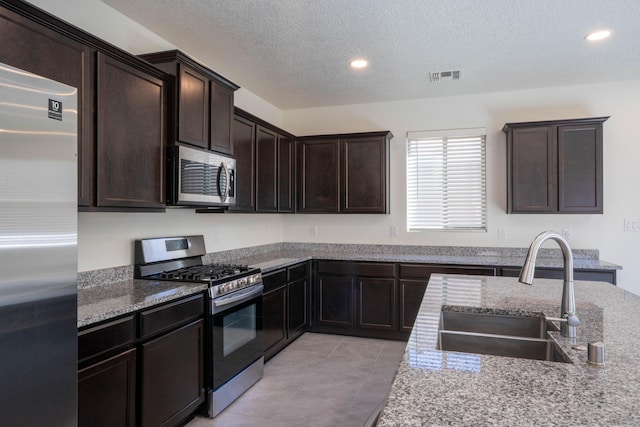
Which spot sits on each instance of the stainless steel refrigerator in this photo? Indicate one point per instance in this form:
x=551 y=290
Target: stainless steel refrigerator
x=38 y=250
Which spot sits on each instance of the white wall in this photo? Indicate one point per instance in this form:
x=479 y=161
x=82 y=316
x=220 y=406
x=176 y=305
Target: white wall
x=106 y=239
x=605 y=232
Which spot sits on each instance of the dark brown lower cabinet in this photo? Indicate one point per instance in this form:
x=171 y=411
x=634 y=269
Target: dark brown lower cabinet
x=410 y=293
x=413 y=283
x=285 y=307
x=172 y=376
x=297 y=307
x=274 y=325
x=376 y=300
x=146 y=368
x=334 y=301
x=107 y=392
x=355 y=298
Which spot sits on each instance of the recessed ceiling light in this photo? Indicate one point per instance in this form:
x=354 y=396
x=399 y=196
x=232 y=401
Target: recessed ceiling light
x=359 y=63
x=598 y=35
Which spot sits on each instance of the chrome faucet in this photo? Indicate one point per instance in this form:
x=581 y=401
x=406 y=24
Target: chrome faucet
x=569 y=319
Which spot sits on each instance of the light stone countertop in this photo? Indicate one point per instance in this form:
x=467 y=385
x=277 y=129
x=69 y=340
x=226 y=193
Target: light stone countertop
x=99 y=303
x=440 y=388
x=111 y=292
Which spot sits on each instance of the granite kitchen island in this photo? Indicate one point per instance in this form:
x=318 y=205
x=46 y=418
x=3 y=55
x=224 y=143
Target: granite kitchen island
x=436 y=388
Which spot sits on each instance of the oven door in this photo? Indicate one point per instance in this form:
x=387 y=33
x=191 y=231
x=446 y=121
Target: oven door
x=237 y=333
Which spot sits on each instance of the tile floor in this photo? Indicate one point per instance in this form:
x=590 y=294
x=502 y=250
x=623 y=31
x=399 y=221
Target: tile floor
x=318 y=380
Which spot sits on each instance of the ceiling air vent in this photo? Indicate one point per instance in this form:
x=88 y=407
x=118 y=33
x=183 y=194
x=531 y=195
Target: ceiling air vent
x=445 y=75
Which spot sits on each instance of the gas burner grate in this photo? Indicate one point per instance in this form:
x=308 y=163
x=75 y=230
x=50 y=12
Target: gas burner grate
x=204 y=272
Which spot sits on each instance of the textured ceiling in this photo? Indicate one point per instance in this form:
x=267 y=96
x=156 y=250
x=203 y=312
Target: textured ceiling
x=295 y=53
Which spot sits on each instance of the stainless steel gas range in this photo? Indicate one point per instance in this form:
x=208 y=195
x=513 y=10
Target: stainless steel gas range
x=233 y=343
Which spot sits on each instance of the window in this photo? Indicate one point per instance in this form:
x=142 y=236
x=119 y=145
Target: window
x=446 y=180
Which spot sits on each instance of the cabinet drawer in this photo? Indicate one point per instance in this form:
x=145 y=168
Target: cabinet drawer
x=170 y=316
x=370 y=269
x=299 y=272
x=100 y=339
x=418 y=271
x=274 y=280
x=558 y=273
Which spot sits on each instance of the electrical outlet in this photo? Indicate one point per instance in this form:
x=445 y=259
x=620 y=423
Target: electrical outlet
x=567 y=233
x=502 y=233
x=314 y=230
x=631 y=224
x=393 y=231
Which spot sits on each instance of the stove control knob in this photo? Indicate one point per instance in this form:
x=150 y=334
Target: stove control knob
x=242 y=282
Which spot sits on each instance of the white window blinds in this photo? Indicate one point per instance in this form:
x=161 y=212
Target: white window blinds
x=446 y=180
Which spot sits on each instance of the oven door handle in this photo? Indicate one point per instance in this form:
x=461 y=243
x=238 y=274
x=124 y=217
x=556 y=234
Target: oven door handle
x=238 y=299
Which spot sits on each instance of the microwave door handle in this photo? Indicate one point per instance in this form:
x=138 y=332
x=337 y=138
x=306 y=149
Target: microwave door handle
x=224 y=167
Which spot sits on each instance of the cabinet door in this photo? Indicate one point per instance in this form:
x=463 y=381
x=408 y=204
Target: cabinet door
x=297 y=301
x=334 y=305
x=319 y=176
x=193 y=107
x=274 y=325
x=533 y=170
x=172 y=376
x=131 y=137
x=107 y=392
x=34 y=48
x=580 y=168
x=244 y=148
x=376 y=303
x=413 y=282
x=221 y=118
x=266 y=170
x=286 y=174
x=411 y=293
x=364 y=175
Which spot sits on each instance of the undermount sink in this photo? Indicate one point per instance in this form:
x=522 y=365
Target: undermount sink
x=499 y=335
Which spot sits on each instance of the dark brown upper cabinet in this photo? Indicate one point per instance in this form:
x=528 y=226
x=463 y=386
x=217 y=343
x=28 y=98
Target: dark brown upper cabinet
x=346 y=173
x=131 y=140
x=265 y=168
x=244 y=145
x=555 y=166
x=286 y=174
x=202 y=102
x=121 y=106
x=319 y=175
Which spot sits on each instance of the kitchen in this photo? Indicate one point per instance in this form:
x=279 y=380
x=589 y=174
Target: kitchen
x=105 y=239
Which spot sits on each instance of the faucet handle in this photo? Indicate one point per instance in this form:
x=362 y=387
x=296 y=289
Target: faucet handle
x=571 y=319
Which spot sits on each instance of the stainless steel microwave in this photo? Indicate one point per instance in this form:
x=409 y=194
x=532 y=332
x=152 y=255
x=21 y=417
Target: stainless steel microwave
x=200 y=178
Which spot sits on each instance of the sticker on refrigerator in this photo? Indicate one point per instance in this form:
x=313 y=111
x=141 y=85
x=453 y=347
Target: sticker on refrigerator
x=55 y=109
